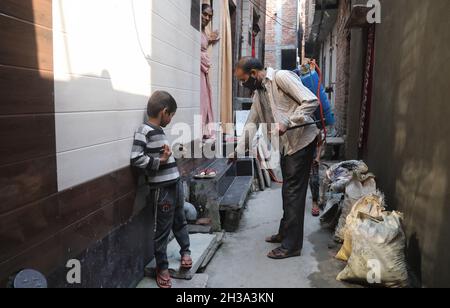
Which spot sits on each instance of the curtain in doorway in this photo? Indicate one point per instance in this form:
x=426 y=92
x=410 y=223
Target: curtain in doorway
x=366 y=104
x=226 y=78
x=225 y=66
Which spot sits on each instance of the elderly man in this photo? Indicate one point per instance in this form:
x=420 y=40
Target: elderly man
x=281 y=100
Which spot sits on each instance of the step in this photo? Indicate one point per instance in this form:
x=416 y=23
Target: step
x=194 y=229
x=201 y=245
x=236 y=195
x=199 y=281
x=206 y=194
x=335 y=141
x=216 y=245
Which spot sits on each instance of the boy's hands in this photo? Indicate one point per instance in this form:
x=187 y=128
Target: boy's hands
x=165 y=154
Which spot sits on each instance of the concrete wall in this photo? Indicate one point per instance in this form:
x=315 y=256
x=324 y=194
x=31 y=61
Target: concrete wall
x=328 y=62
x=110 y=55
x=408 y=141
x=357 y=64
x=86 y=69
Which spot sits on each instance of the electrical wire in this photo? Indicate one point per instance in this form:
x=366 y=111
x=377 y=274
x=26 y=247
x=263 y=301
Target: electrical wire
x=265 y=12
x=138 y=36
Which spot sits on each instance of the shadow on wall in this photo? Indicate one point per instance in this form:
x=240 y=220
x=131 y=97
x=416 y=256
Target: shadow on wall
x=103 y=222
x=408 y=142
x=42 y=228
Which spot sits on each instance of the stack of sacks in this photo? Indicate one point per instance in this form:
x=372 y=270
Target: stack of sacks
x=359 y=186
x=374 y=240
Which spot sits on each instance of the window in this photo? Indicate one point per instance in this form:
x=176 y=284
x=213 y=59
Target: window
x=289 y=59
x=195 y=14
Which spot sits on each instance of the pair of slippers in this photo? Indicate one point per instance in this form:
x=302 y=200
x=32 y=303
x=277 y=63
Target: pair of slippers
x=206 y=174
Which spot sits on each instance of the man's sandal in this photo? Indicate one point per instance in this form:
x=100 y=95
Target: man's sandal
x=163 y=279
x=186 y=262
x=274 y=239
x=280 y=254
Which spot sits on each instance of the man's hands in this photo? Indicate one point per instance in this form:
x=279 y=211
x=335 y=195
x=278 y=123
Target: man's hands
x=280 y=129
x=232 y=158
x=165 y=154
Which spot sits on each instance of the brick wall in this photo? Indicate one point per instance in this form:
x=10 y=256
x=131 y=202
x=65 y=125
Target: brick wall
x=279 y=37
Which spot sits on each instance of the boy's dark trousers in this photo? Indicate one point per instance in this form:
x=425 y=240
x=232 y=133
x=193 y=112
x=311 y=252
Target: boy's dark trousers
x=296 y=170
x=169 y=216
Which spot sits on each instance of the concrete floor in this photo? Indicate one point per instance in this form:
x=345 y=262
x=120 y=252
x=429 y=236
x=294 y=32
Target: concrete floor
x=242 y=263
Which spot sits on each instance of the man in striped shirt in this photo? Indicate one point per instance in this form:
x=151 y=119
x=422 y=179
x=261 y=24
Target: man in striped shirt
x=152 y=155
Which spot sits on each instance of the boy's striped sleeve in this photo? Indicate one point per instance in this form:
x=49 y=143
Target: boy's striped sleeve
x=139 y=158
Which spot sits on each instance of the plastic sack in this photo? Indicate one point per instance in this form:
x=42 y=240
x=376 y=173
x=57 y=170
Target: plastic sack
x=332 y=212
x=338 y=170
x=339 y=175
x=359 y=186
x=371 y=205
x=378 y=253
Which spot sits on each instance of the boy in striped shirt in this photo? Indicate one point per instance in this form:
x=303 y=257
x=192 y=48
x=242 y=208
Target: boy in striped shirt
x=151 y=153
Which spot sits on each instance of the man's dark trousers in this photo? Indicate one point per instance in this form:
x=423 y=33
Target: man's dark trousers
x=296 y=171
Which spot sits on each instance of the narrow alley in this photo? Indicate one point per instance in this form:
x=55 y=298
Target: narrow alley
x=244 y=253
x=157 y=144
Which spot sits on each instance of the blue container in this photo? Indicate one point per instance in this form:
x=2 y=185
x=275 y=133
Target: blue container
x=311 y=81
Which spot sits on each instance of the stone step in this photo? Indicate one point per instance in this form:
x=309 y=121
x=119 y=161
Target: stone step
x=218 y=242
x=206 y=195
x=194 y=229
x=201 y=245
x=237 y=193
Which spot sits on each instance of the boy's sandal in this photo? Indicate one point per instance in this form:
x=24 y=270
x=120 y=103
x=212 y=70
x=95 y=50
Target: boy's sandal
x=163 y=279
x=186 y=262
x=280 y=254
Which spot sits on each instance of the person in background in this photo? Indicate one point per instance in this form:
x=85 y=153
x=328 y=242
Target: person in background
x=310 y=78
x=205 y=87
x=281 y=99
x=152 y=155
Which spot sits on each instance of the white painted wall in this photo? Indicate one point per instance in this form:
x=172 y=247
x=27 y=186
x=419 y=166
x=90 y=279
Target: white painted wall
x=109 y=55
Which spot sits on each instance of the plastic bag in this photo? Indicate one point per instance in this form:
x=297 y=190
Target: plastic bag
x=346 y=168
x=339 y=175
x=372 y=205
x=378 y=253
x=359 y=186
